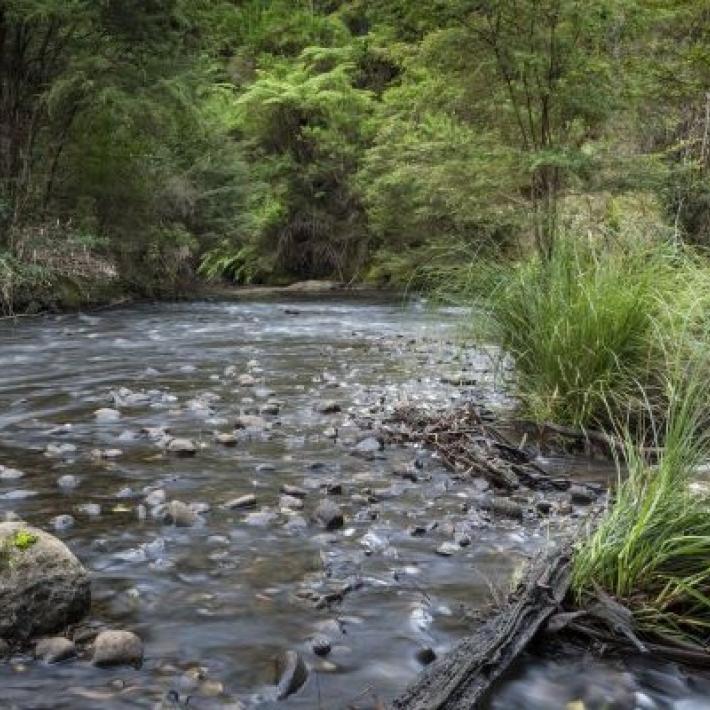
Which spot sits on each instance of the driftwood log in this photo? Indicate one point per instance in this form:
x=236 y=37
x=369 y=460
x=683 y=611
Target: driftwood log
x=462 y=679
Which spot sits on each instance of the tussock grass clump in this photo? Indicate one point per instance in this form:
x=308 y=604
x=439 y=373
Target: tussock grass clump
x=590 y=327
x=652 y=548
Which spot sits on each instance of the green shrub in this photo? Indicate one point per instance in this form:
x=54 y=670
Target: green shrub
x=591 y=329
x=652 y=549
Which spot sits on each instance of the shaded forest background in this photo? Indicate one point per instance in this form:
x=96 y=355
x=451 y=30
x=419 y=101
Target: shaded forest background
x=144 y=142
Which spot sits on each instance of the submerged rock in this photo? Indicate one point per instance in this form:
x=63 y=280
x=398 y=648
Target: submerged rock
x=68 y=482
x=182 y=447
x=446 y=549
x=328 y=406
x=425 y=655
x=294 y=491
x=117 y=648
x=156 y=497
x=106 y=414
x=260 y=518
x=245 y=501
x=581 y=495
x=292 y=673
x=54 y=650
x=290 y=502
x=503 y=507
x=93 y=510
x=270 y=409
x=367 y=448
x=329 y=515
x=10 y=474
x=43 y=586
x=250 y=421
x=321 y=645
x=543 y=507
x=179 y=514
x=226 y=438
x=59 y=450
x=62 y=522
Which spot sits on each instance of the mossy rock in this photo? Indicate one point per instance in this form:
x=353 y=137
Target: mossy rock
x=43 y=586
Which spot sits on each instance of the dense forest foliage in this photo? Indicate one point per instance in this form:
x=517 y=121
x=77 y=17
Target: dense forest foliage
x=145 y=141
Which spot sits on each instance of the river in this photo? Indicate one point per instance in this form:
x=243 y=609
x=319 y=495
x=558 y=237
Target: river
x=215 y=602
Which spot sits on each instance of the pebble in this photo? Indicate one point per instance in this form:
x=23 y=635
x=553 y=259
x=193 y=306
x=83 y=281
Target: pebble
x=200 y=507
x=10 y=474
x=68 y=482
x=425 y=655
x=446 y=549
x=462 y=539
x=157 y=497
x=328 y=406
x=179 y=514
x=246 y=380
x=226 y=438
x=329 y=515
x=581 y=495
x=117 y=648
x=543 y=506
x=368 y=445
x=321 y=645
x=295 y=491
x=53 y=650
x=211 y=689
x=111 y=453
x=290 y=502
x=250 y=421
x=93 y=510
x=106 y=414
x=62 y=522
x=59 y=450
x=503 y=507
x=296 y=524
x=245 y=501
x=260 y=518
x=182 y=447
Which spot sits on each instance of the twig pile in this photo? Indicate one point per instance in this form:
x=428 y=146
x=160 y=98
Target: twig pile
x=468 y=445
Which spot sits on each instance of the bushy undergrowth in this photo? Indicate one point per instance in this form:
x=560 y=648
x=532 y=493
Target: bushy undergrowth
x=593 y=329
x=652 y=549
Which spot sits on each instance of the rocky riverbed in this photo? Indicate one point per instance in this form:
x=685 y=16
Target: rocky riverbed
x=219 y=469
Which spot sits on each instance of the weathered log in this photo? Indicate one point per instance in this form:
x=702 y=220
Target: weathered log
x=462 y=679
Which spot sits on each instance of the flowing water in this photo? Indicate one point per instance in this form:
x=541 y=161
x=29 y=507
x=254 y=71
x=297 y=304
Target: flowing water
x=216 y=602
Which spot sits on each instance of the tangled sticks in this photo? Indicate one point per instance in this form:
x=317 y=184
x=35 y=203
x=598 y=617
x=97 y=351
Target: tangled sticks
x=468 y=445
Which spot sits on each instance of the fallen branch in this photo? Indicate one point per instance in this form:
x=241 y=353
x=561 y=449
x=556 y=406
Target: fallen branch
x=468 y=446
x=461 y=679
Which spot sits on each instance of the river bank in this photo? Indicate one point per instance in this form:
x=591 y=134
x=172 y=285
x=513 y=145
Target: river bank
x=67 y=295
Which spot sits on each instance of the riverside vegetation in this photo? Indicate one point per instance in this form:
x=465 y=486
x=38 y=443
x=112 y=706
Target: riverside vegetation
x=270 y=140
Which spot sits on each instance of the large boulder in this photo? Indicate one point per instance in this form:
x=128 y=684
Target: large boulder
x=43 y=586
